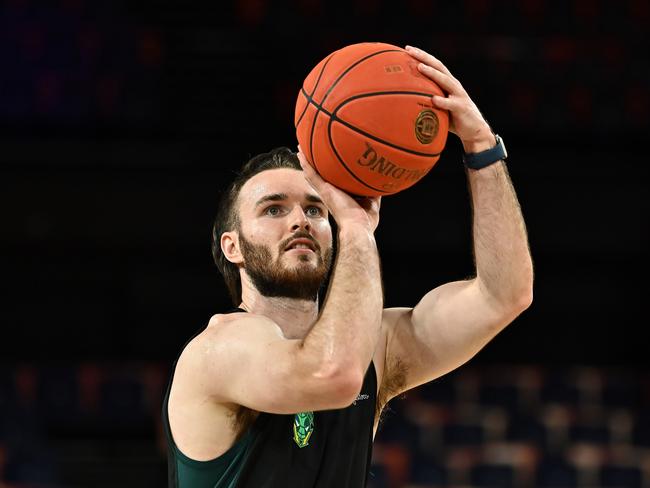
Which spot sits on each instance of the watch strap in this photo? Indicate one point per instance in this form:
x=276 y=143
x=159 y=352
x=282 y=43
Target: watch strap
x=485 y=158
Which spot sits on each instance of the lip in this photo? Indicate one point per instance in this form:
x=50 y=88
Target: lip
x=306 y=242
x=300 y=251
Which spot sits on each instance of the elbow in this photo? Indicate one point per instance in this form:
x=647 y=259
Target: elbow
x=347 y=389
x=521 y=295
x=341 y=384
x=522 y=300
x=515 y=302
x=525 y=296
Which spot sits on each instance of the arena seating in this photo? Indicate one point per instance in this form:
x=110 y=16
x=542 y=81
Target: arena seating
x=495 y=426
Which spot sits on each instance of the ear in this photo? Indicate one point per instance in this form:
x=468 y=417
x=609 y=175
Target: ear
x=230 y=247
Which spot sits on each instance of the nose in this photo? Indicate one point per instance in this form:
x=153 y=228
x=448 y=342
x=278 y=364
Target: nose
x=298 y=219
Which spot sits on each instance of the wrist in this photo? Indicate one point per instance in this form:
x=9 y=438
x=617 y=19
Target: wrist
x=484 y=141
x=357 y=236
x=486 y=157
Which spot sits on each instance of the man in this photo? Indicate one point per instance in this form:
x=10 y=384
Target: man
x=282 y=393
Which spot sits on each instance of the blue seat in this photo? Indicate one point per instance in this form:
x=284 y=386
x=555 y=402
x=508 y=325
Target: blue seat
x=527 y=428
x=393 y=428
x=620 y=476
x=641 y=431
x=593 y=434
x=378 y=477
x=440 y=391
x=462 y=434
x=6 y=393
x=123 y=406
x=556 y=473
x=426 y=471
x=559 y=389
x=621 y=391
x=493 y=476
x=506 y=396
x=58 y=395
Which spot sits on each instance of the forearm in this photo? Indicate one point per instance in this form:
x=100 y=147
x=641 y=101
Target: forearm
x=501 y=252
x=346 y=333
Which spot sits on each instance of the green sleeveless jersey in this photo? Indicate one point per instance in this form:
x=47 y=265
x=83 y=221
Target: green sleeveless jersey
x=324 y=449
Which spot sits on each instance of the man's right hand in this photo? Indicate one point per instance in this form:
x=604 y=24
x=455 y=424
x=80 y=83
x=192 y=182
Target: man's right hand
x=346 y=210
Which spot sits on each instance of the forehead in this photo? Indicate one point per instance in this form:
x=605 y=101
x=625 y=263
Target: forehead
x=289 y=181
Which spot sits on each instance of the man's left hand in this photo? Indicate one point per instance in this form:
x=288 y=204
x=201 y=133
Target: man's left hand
x=465 y=119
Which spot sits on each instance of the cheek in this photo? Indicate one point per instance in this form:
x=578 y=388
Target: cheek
x=323 y=232
x=258 y=233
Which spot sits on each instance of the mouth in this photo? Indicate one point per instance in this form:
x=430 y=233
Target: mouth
x=301 y=245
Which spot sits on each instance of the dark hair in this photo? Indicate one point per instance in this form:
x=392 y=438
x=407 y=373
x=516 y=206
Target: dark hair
x=227 y=218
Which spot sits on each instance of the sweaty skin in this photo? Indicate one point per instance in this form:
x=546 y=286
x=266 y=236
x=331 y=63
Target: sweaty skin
x=283 y=357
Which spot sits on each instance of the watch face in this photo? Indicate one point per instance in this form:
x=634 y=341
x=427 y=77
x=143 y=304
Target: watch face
x=503 y=147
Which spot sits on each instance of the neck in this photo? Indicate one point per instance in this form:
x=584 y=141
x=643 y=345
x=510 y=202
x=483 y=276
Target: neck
x=295 y=317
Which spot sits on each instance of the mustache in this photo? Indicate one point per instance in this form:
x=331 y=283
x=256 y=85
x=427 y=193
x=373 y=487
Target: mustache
x=301 y=234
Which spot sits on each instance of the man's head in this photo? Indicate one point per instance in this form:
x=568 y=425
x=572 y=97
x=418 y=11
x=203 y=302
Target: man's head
x=272 y=224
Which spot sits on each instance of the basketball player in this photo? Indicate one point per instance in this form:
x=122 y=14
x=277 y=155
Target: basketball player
x=285 y=390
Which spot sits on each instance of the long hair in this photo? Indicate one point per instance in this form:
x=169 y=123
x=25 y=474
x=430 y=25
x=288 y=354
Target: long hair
x=227 y=218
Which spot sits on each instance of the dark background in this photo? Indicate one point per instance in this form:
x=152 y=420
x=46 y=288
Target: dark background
x=121 y=122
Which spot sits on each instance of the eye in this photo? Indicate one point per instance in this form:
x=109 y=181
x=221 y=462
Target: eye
x=273 y=210
x=314 y=211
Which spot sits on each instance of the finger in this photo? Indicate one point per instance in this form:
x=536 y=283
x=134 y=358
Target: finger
x=310 y=173
x=446 y=82
x=427 y=58
x=449 y=104
x=375 y=202
x=322 y=187
x=364 y=202
x=369 y=203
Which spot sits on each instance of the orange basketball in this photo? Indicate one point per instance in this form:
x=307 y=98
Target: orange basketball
x=364 y=119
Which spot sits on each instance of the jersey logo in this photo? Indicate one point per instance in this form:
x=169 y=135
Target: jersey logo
x=362 y=396
x=303 y=428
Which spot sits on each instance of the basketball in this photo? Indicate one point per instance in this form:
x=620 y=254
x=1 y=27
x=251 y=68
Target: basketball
x=365 y=120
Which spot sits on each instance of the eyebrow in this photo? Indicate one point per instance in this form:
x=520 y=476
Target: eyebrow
x=278 y=197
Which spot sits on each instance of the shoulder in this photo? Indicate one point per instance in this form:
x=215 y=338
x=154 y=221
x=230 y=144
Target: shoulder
x=225 y=332
x=208 y=359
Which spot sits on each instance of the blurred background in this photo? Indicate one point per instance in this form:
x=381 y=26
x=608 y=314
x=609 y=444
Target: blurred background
x=121 y=122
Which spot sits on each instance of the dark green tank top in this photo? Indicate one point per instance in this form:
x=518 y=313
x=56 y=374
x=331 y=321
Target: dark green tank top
x=324 y=449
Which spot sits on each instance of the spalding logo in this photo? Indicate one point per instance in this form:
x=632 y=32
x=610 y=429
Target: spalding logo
x=426 y=126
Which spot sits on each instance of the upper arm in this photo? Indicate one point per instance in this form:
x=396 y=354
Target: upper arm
x=247 y=361
x=444 y=330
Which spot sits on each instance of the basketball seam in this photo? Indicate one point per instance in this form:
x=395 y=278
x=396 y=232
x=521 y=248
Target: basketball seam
x=347 y=70
x=334 y=118
x=354 y=65
x=320 y=75
x=336 y=153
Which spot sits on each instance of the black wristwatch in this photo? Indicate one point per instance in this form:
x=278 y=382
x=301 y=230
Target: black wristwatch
x=486 y=158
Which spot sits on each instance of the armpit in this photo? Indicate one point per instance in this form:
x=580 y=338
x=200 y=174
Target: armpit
x=242 y=420
x=393 y=383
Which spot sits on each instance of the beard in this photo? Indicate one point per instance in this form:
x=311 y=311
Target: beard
x=273 y=279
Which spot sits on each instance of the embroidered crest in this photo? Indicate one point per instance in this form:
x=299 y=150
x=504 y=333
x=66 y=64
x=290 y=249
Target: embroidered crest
x=303 y=428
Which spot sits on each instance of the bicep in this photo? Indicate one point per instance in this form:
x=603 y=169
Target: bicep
x=250 y=363
x=444 y=330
